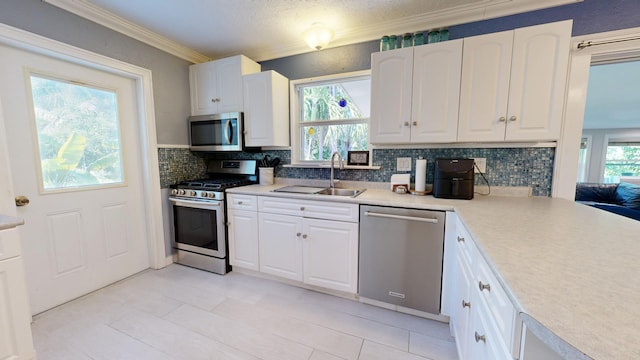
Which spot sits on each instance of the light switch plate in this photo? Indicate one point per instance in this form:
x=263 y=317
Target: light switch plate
x=481 y=164
x=403 y=164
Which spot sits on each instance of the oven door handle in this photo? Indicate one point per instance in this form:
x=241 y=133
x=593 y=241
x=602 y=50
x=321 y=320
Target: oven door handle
x=198 y=204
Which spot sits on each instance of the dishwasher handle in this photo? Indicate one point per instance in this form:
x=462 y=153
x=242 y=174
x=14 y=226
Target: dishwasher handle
x=401 y=217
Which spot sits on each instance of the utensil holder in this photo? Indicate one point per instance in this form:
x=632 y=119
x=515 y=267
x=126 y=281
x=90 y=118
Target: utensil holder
x=265 y=175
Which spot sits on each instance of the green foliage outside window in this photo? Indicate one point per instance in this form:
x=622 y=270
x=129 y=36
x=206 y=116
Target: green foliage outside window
x=623 y=160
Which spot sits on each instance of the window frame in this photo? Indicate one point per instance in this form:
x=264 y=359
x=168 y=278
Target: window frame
x=296 y=116
x=614 y=139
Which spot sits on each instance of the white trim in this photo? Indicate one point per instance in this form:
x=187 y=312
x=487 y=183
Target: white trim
x=565 y=170
x=151 y=173
x=490 y=145
x=112 y=21
x=172 y=146
x=480 y=10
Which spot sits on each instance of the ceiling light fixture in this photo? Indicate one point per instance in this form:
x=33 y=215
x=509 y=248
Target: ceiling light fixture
x=318 y=36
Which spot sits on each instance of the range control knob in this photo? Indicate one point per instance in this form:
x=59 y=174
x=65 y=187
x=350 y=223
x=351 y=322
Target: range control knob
x=212 y=195
x=192 y=193
x=174 y=191
x=180 y=192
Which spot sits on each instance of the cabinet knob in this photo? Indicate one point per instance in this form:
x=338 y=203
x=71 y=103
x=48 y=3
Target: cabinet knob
x=304 y=236
x=415 y=123
x=298 y=234
x=228 y=224
x=484 y=286
x=460 y=239
x=480 y=338
x=513 y=118
x=301 y=208
x=466 y=304
x=502 y=119
x=406 y=123
x=239 y=202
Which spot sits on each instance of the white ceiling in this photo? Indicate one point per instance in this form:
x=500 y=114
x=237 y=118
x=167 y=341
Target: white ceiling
x=198 y=30
x=613 y=96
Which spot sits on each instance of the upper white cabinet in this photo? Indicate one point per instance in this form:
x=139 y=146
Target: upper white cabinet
x=415 y=94
x=216 y=86
x=513 y=84
x=266 y=109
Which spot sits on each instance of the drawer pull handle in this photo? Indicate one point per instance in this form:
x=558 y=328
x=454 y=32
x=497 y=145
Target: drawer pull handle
x=304 y=236
x=460 y=239
x=484 y=286
x=301 y=208
x=466 y=304
x=239 y=202
x=480 y=338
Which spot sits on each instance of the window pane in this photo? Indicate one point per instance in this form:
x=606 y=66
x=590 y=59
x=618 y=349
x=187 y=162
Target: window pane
x=336 y=101
x=319 y=142
x=623 y=159
x=78 y=134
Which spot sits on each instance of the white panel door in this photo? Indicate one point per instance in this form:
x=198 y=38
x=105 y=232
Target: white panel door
x=391 y=79
x=280 y=245
x=538 y=80
x=202 y=81
x=85 y=225
x=486 y=64
x=243 y=239
x=436 y=92
x=330 y=257
x=229 y=84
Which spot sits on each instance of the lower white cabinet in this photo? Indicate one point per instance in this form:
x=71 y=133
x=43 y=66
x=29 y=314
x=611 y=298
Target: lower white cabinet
x=15 y=318
x=484 y=320
x=313 y=242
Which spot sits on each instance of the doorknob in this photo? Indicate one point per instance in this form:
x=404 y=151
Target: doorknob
x=22 y=200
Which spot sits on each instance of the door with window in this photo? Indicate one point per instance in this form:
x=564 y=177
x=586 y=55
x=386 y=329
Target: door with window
x=72 y=134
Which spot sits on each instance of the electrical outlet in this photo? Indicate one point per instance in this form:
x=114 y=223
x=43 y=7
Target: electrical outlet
x=481 y=164
x=403 y=164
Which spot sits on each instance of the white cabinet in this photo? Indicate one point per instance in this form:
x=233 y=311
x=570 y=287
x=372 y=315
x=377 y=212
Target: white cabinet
x=243 y=231
x=266 y=109
x=314 y=242
x=513 y=84
x=415 y=94
x=484 y=320
x=216 y=86
x=15 y=318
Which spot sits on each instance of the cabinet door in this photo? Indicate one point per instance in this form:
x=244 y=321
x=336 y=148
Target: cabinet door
x=266 y=109
x=391 y=82
x=281 y=245
x=229 y=84
x=436 y=92
x=486 y=65
x=330 y=254
x=538 y=79
x=483 y=342
x=202 y=81
x=15 y=320
x=243 y=239
x=462 y=305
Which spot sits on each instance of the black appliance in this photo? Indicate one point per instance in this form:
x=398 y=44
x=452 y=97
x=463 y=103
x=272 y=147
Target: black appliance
x=453 y=179
x=198 y=209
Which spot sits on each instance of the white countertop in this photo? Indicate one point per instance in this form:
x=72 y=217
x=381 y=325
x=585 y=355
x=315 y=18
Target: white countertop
x=8 y=222
x=572 y=271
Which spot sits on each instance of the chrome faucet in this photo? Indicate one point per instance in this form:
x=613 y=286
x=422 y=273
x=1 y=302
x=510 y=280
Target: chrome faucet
x=334 y=181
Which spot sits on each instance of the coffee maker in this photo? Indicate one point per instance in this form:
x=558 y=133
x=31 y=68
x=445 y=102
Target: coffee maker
x=453 y=179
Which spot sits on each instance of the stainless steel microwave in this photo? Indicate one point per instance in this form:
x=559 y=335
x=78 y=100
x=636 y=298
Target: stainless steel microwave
x=216 y=132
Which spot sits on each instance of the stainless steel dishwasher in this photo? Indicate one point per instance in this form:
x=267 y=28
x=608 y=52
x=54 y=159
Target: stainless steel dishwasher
x=401 y=256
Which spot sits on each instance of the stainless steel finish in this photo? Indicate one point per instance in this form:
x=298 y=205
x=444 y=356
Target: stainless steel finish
x=310 y=190
x=203 y=262
x=460 y=239
x=466 y=304
x=232 y=167
x=480 y=338
x=22 y=200
x=225 y=122
x=341 y=192
x=295 y=189
x=513 y=118
x=227 y=132
x=482 y=286
x=402 y=254
x=401 y=217
x=218 y=206
x=332 y=183
x=502 y=119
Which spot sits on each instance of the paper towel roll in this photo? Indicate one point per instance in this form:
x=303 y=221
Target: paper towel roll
x=421 y=174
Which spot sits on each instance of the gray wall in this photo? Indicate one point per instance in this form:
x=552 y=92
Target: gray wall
x=170 y=73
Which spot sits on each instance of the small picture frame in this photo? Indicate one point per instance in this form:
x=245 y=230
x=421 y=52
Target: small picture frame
x=358 y=158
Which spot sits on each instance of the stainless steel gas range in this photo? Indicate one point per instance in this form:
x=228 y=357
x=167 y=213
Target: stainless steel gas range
x=199 y=214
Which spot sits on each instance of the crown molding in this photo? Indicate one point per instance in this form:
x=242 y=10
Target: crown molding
x=482 y=10
x=114 y=22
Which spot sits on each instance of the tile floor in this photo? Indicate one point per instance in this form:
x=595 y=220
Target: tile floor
x=184 y=313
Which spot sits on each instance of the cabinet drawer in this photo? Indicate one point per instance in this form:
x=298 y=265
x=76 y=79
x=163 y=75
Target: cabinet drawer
x=500 y=308
x=483 y=337
x=9 y=244
x=309 y=208
x=242 y=202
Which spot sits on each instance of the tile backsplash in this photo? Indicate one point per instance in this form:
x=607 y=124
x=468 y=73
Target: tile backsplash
x=528 y=166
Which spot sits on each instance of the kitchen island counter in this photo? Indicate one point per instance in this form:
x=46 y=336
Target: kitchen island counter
x=571 y=270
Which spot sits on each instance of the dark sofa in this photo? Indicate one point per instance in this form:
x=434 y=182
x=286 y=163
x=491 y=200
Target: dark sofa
x=622 y=199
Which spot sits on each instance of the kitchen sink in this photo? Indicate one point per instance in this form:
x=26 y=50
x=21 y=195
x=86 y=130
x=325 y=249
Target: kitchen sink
x=341 y=192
